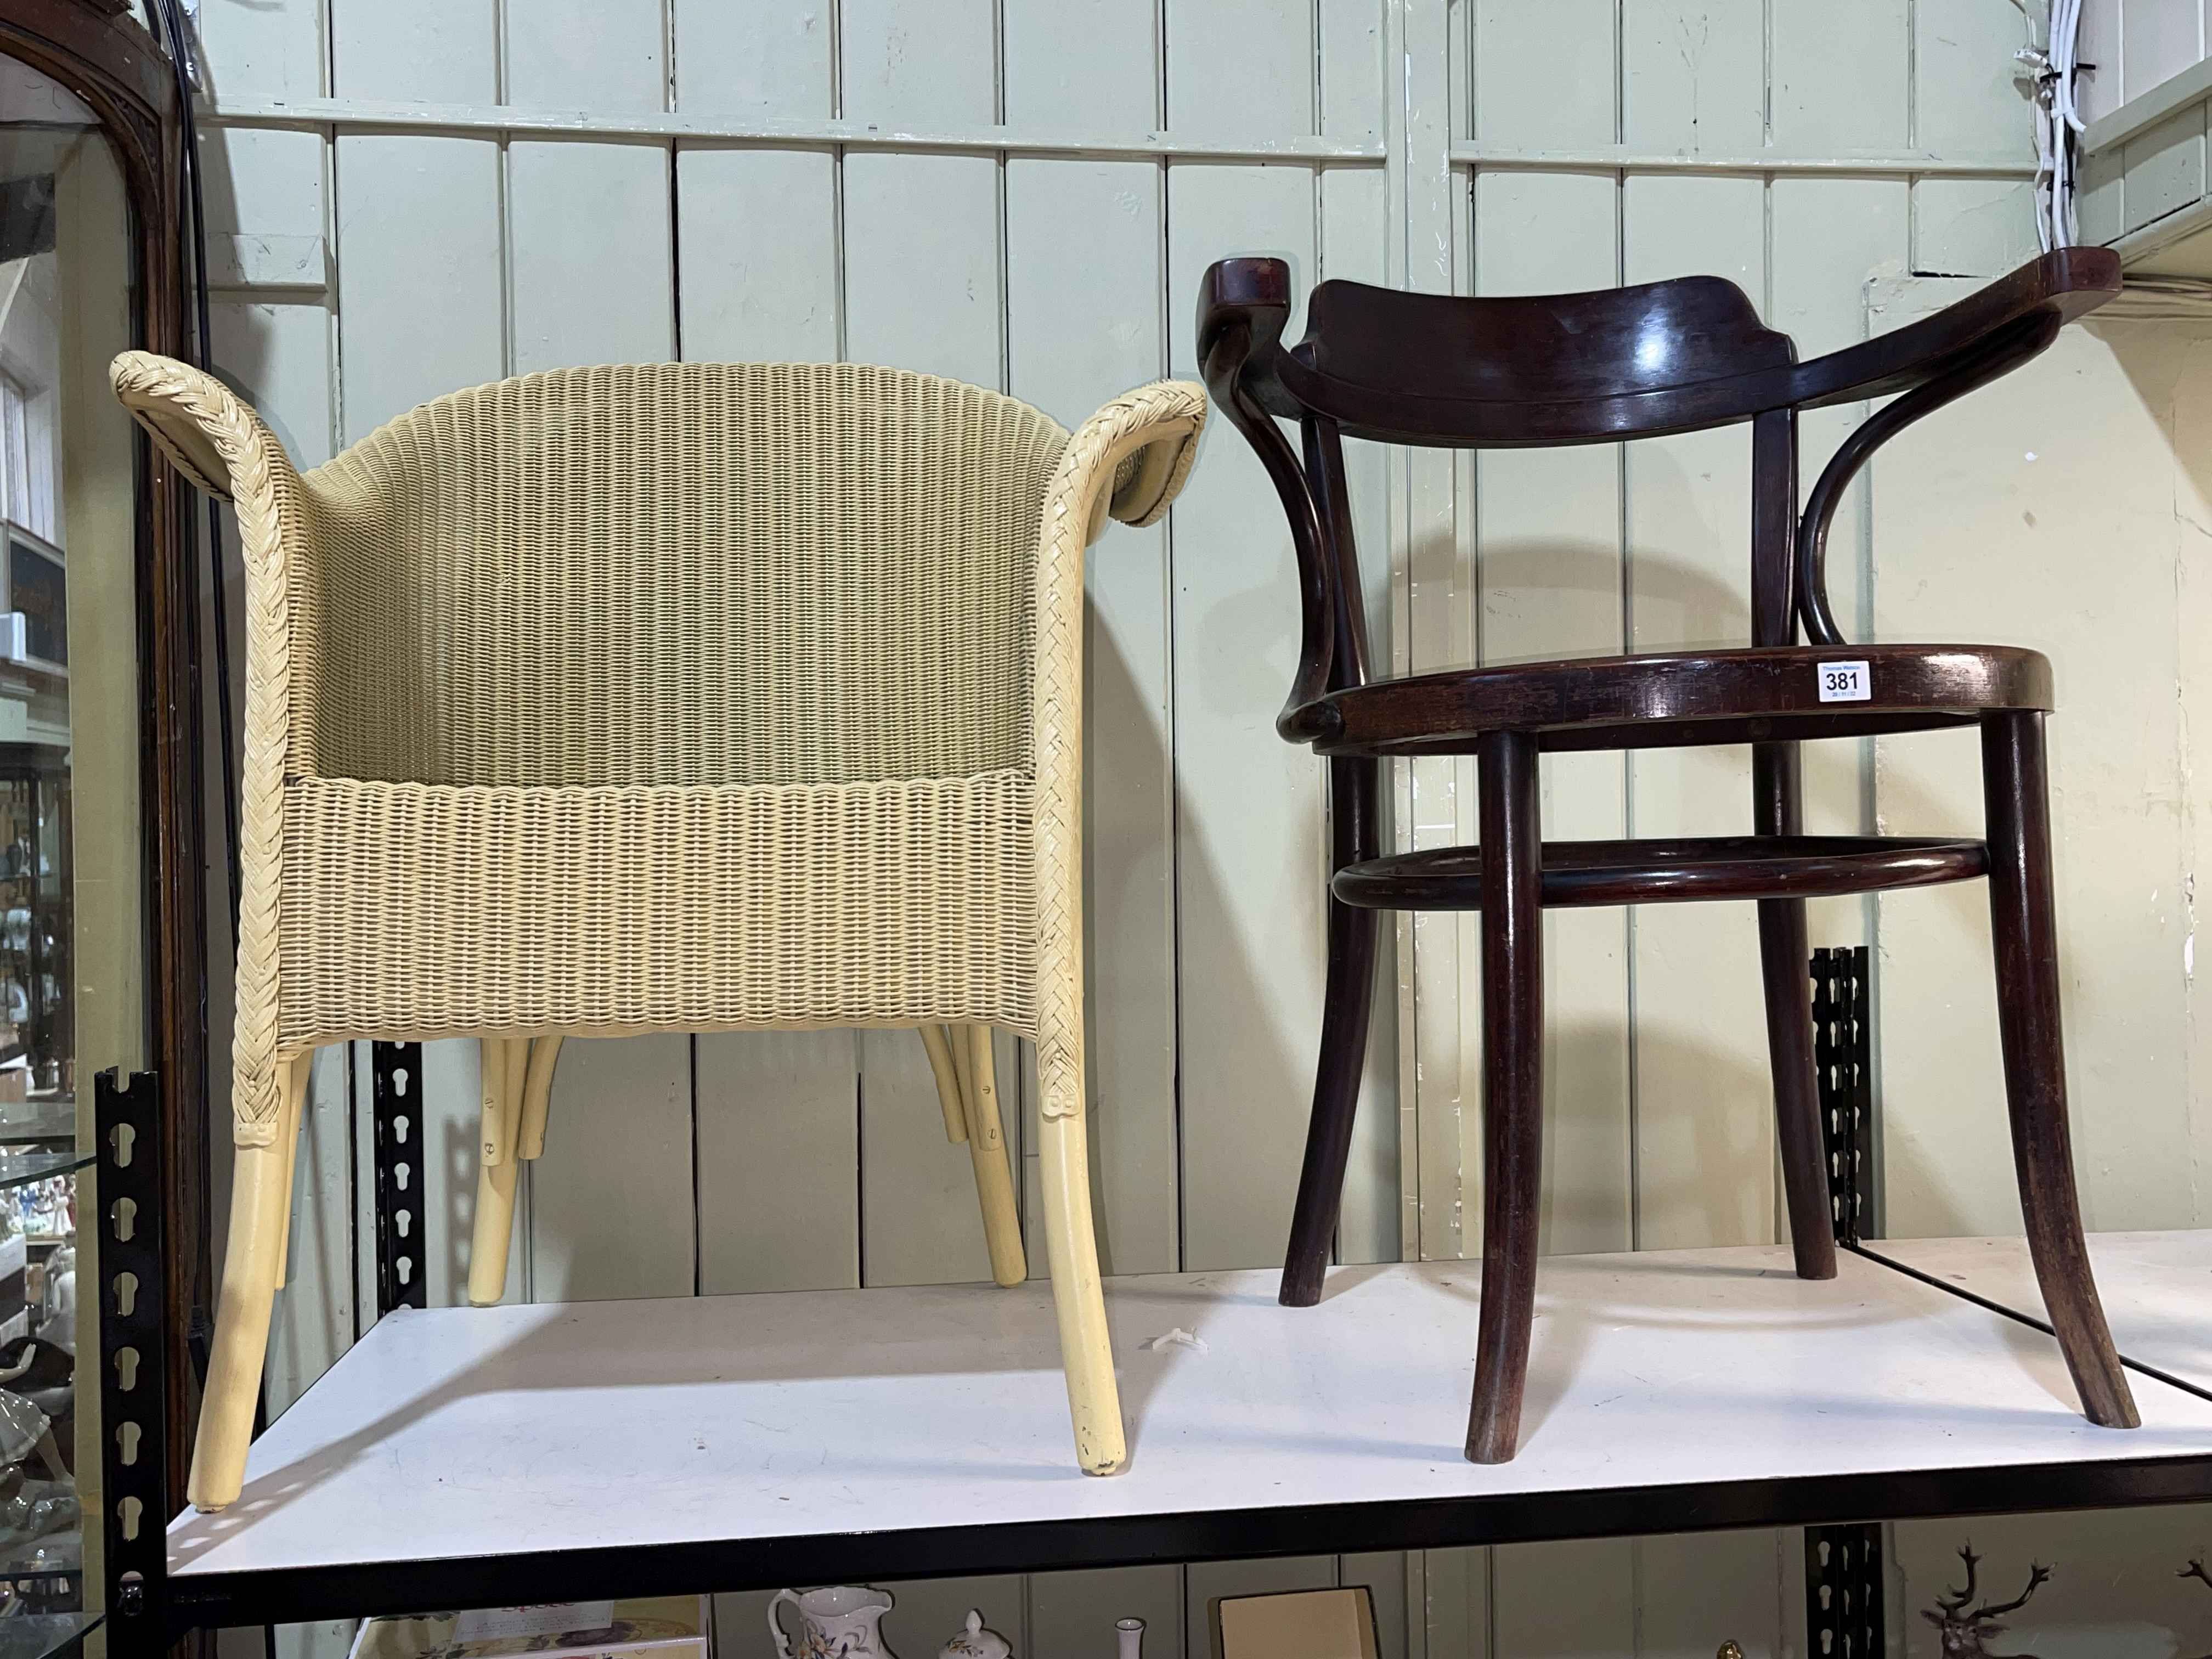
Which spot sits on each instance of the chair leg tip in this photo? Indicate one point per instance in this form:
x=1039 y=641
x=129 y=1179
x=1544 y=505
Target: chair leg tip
x=1494 y=1442
x=1299 y=1290
x=2120 y=1414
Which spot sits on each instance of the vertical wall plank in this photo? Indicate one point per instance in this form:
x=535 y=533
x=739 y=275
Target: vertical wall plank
x=2165 y=167
x=1564 y=1601
x=263 y=48
x=1249 y=833
x=778 y=1149
x=1967 y=100
x=1083 y=324
x=1815 y=111
x=2157 y=42
x=758 y=255
x=1544 y=75
x=2099 y=43
x=1553 y=578
x=757 y=58
x=1072 y=1613
x=611 y=1203
x=600 y=54
x=419 y=257
x=263 y=193
x=1087 y=65
x=1270 y=93
x=922 y=265
x=1693 y=73
x=1704 y=1104
x=443 y=52
x=607 y=297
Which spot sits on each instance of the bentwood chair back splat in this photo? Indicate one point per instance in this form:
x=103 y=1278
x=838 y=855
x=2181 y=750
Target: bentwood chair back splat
x=1635 y=362
x=679 y=696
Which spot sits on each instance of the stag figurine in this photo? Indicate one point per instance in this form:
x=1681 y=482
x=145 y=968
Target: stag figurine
x=2196 y=1570
x=1965 y=1634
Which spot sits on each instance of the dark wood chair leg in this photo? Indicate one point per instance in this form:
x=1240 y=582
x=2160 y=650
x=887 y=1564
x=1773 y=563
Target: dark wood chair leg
x=1512 y=1088
x=1784 y=962
x=2015 y=788
x=1348 y=1000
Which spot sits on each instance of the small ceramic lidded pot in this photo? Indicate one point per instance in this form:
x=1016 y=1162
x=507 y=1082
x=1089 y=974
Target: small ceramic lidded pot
x=977 y=1642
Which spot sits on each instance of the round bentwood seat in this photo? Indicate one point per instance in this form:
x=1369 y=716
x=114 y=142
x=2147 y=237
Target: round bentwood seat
x=1773 y=693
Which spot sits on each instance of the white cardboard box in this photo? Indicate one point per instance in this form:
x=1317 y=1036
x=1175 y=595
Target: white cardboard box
x=663 y=1627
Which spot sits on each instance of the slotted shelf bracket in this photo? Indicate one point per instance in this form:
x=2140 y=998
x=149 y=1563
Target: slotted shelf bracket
x=1843 y=1564
x=396 y=1070
x=133 y=1388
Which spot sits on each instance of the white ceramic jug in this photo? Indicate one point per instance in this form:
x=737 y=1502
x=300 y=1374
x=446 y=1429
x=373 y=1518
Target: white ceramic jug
x=838 y=1621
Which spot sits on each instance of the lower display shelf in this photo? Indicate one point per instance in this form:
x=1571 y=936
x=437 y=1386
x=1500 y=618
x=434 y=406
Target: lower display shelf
x=470 y=1457
x=2157 y=1289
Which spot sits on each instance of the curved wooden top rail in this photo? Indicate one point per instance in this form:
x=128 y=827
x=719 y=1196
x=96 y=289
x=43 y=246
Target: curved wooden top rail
x=1637 y=361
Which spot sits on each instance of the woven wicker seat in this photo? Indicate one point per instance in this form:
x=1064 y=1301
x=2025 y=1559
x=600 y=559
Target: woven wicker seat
x=669 y=697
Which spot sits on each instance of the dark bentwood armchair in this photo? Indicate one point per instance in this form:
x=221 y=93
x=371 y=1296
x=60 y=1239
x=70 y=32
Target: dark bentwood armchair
x=1638 y=362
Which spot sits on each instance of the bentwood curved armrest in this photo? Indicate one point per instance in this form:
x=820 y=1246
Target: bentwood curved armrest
x=1932 y=362
x=1244 y=306
x=2049 y=291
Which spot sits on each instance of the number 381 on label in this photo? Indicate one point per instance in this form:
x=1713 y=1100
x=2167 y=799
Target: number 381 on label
x=1844 y=682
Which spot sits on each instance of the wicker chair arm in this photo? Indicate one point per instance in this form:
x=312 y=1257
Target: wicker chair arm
x=214 y=440
x=1154 y=431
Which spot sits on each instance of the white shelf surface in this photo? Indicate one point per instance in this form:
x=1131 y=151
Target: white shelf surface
x=2157 y=1288
x=473 y=1432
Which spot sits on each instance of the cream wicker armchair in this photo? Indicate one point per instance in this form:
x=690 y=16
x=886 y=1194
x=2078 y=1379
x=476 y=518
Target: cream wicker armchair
x=673 y=697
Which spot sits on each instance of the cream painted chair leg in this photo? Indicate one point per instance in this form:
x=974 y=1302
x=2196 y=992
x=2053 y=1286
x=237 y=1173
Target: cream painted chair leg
x=946 y=1070
x=295 y=1110
x=1094 y=1399
x=538 y=1098
x=260 y=1211
x=505 y=1066
x=986 y=1147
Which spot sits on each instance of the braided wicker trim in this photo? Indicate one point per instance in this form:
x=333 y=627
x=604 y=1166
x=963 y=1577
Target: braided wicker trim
x=1156 y=426
x=197 y=421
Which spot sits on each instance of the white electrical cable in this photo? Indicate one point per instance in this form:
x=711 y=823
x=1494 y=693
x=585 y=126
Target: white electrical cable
x=2057 y=68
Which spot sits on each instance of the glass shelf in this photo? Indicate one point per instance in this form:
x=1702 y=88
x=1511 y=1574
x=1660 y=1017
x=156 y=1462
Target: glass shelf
x=41 y=1635
x=49 y=1556
x=38 y=1122
x=18 y=1169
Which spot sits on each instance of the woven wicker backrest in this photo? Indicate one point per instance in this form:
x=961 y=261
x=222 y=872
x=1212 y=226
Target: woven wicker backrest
x=676 y=574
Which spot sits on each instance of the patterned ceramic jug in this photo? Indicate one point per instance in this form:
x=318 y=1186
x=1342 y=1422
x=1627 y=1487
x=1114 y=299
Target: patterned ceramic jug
x=837 y=1622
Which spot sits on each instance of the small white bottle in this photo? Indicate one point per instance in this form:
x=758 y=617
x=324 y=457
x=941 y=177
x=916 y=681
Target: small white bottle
x=1130 y=1633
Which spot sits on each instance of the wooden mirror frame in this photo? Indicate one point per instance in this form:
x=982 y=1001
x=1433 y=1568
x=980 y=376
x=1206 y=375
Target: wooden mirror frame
x=100 y=52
